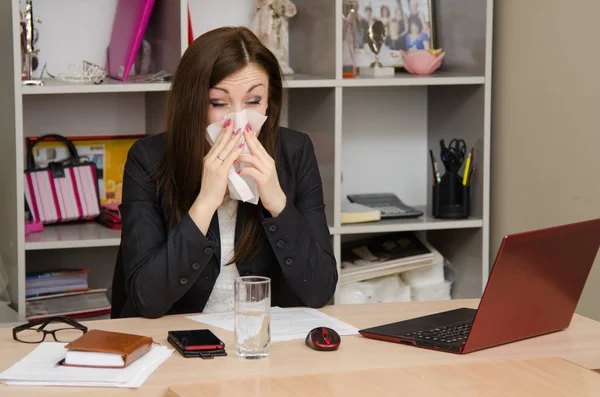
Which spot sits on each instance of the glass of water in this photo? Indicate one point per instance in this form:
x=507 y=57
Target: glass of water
x=252 y=316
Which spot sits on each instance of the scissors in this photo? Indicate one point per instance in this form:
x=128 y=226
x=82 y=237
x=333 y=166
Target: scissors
x=454 y=154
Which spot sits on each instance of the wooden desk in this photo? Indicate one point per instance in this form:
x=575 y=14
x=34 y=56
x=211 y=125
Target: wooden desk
x=546 y=377
x=579 y=344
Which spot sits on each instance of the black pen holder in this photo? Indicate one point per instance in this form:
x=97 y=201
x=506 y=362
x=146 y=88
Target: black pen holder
x=451 y=199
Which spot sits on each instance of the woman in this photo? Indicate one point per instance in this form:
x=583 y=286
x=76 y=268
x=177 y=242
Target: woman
x=417 y=17
x=398 y=29
x=385 y=16
x=184 y=241
x=417 y=40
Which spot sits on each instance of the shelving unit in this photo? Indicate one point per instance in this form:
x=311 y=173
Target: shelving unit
x=369 y=134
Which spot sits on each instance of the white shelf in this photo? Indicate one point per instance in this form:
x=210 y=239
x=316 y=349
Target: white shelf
x=295 y=81
x=425 y=222
x=308 y=81
x=83 y=235
x=406 y=79
x=108 y=86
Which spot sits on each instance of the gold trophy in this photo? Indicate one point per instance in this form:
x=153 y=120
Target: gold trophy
x=376 y=39
x=28 y=50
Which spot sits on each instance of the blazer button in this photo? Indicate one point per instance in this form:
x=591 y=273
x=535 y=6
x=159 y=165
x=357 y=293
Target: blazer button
x=272 y=228
x=196 y=266
x=289 y=261
x=183 y=280
x=280 y=244
x=208 y=251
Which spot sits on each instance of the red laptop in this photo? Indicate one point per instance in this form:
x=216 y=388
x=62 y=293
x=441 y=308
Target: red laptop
x=533 y=289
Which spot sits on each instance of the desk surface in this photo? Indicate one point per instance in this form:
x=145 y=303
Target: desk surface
x=546 y=377
x=579 y=344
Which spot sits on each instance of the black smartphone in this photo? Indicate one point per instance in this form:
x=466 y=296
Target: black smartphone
x=197 y=343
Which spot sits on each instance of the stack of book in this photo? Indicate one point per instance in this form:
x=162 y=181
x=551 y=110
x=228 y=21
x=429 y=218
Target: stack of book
x=64 y=293
x=385 y=255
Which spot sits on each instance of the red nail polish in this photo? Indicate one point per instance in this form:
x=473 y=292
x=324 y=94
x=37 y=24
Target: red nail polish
x=239 y=130
x=239 y=171
x=227 y=123
x=248 y=127
x=242 y=145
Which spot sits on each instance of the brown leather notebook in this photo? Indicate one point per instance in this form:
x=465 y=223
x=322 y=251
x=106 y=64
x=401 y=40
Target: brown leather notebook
x=103 y=349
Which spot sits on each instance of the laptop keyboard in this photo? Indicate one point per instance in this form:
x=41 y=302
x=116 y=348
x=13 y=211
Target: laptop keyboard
x=452 y=334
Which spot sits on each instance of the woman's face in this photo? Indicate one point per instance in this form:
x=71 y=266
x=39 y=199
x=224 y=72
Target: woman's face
x=414 y=6
x=414 y=28
x=398 y=13
x=246 y=89
x=385 y=12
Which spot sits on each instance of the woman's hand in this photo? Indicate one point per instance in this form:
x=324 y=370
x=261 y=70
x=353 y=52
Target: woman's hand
x=216 y=165
x=263 y=171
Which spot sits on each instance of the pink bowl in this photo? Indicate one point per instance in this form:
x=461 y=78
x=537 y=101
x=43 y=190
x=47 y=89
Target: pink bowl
x=422 y=61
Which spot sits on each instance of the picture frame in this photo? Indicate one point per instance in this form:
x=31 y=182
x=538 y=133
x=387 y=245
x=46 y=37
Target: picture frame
x=109 y=153
x=409 y=26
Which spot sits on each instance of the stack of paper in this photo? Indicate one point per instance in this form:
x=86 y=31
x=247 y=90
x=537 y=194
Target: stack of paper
x=385 y=255
x=41 y=368
x=286 y=324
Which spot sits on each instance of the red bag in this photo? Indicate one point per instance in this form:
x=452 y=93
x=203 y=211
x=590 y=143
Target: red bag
x=63 y=191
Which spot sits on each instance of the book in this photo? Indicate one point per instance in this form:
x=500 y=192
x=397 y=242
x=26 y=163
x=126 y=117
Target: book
x=105 y=349
x=56 y=281
x=385 y=255
x=66 y=304
x=358 y=213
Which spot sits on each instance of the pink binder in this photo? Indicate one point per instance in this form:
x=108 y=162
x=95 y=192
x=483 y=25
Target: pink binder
x=129 y=26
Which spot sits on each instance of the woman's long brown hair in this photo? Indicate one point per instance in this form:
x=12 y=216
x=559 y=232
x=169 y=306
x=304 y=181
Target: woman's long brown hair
x=209 y=59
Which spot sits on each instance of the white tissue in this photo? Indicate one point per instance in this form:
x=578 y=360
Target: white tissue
x=242 y=188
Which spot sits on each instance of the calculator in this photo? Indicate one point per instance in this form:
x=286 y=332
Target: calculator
x=388 y=203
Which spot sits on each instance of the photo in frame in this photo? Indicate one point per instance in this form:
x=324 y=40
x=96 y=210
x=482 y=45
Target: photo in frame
x=408 y=24
x=109 y=153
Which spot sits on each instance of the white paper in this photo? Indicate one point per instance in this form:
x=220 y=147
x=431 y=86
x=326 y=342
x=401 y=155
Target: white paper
x=39 y=368
x=242 y=188
x=286 y=323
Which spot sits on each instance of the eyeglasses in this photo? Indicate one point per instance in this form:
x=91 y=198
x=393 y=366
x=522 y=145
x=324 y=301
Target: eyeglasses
x=36 y=331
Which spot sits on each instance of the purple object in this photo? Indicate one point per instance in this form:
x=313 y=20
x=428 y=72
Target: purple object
x=129 y=26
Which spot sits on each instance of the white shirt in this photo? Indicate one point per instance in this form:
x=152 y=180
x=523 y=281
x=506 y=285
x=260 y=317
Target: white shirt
x=221 y=297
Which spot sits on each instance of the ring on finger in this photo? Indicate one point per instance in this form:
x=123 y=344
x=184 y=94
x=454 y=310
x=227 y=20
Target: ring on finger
x=220 y=158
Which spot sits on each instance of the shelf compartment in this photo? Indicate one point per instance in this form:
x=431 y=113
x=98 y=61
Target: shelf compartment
x=80 y=235
x=424 y=222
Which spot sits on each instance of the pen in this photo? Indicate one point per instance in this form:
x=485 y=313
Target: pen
x=436 y=174
x=470 y=175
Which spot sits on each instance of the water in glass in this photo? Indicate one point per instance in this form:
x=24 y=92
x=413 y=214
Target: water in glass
x=252 y=317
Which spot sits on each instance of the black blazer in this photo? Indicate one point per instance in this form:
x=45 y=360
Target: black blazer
x=162 y=272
